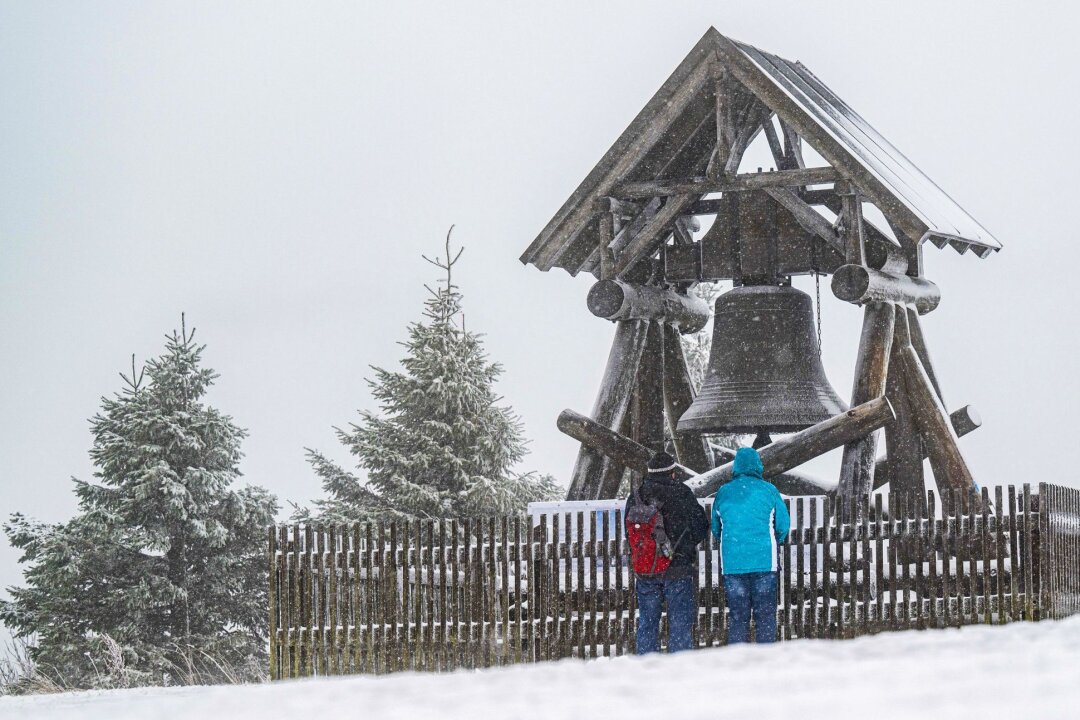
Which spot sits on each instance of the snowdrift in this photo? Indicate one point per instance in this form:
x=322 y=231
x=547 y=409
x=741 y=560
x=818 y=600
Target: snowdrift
x=1019 y=670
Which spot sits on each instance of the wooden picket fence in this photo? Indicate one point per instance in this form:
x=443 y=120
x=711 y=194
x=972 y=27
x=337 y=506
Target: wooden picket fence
x=440 y=595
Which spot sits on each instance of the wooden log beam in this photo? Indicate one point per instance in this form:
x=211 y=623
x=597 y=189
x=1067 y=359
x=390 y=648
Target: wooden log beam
x=932 y=421
x=881 y=252
x=655 y=120
x=808 y=218
x=617 y=300
x=650 y=393
x=789 y=483
x=851 y=218
x=652 y=235
x=858 y=284
x=618 y=447
x=793 y=450
x=964 y=421
x=733 y=183
x=690 y=447
x=904 y=445
x=918 y=341
x=615 y=206
x=607 y=236
x=871 y=368
x=612 y=402
x=627 y=453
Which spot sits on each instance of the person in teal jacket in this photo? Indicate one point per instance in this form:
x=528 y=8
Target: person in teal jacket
x=749 y=519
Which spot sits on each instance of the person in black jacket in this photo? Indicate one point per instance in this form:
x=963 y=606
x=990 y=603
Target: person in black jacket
x=686 y=525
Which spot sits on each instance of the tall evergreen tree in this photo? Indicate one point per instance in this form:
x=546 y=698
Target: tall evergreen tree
x=443 y=445
x=164 y=557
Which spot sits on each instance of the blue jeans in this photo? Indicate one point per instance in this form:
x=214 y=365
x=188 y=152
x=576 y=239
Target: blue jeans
x=751 y=592
x=681 y=608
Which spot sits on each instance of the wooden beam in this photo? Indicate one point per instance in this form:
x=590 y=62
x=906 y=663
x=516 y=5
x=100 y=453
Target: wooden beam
x=631 y=229
x=882 y=253
x=904 y=445
x=690 y=447
x=775 y=147
x=733 y=183
x=622 y=208
x=860 y=285
x=947 y=461
x=791 y=451
x=851 y=217
x=624 y=452
x=808 y=218
x=646 y=242
x=618 y=300
x=871 y=367
x=725 y=134
x=607 y=236
x=918 y=341
x=792 y=146
x=650 y=389
x=619 y=162
x=788 y=483
x=780 y=102
x=612 y=402
x=964 y=421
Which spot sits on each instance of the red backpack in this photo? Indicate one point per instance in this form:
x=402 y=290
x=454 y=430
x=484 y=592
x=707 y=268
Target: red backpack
x=650 y=548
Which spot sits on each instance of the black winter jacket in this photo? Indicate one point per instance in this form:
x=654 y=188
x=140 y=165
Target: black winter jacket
x=683 y=517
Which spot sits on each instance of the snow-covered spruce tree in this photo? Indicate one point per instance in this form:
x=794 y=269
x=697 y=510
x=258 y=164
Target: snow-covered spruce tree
x=165 y=560
x=442 y=446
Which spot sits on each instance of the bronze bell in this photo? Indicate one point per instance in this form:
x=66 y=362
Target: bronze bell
x=765 y=371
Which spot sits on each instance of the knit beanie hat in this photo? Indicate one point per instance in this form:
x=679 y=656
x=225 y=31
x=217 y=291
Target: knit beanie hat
x=661 y=464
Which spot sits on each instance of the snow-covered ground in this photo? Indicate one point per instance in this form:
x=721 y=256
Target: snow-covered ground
x=1018 y=671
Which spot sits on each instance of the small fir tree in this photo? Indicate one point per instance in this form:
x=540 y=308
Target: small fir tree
x=443 y=446
x=164 y=562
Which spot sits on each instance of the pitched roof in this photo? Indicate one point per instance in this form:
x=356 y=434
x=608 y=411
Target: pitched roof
x=674 y=135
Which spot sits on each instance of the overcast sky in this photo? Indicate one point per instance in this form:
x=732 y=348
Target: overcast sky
x=275 y=171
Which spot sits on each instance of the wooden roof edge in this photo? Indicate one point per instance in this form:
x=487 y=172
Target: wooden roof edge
x=539 y=251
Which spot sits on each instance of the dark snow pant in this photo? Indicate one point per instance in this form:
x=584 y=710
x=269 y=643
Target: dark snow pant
x=681 y=608
x=756 y=593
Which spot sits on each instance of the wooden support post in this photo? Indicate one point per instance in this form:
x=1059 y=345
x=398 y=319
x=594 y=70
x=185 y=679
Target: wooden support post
x=946 y=460
x=646 y=242
x=741 y=182
x=964 y=420
x=851 y=214
x=607 y=237
x=690 y=447
x=613 y=470
x=724 y=130
x=650 y=389
x=789 y=452
x=611 y=403
x=875 y=345
x=918 y=341
x=904 y=446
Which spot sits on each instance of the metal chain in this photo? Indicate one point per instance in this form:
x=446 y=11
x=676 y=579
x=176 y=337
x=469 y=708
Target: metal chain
x=817 y=308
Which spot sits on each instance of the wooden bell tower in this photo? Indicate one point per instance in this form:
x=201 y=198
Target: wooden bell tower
x=634 y=224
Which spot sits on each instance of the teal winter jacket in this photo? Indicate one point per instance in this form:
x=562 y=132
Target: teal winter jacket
x=749 y=518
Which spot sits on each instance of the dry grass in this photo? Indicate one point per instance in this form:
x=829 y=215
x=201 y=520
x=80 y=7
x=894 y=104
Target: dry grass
x=179 y=665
